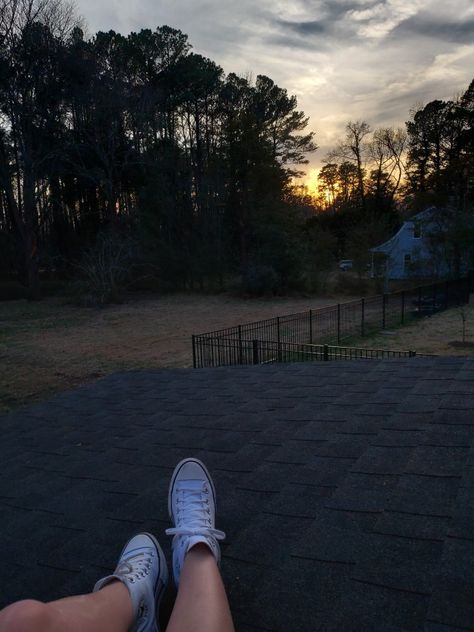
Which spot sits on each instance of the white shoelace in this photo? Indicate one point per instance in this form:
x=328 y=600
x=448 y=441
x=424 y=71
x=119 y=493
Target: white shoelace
x=135 y=567
x=194 y=519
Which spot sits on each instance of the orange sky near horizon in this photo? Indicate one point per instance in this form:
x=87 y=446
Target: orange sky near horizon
x=310 y=180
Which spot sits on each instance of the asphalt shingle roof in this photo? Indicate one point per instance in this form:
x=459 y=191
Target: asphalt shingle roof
x=346 y=489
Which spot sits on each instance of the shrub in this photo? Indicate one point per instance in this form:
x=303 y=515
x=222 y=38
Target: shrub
x=105 y=269
x=260 y=279
x=347 y=283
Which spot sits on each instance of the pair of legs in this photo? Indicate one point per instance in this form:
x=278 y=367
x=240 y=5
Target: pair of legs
x=129 y=598
x=201 y=604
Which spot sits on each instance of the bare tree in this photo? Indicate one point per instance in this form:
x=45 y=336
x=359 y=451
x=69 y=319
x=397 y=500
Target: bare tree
x=386 y=151
x=60 y=16
x=354 y=149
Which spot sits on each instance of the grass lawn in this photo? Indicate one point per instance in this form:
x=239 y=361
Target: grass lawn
x=49 y=346
x=440 y=334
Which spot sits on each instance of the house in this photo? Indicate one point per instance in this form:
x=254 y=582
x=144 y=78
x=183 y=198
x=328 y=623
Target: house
x=412 y=251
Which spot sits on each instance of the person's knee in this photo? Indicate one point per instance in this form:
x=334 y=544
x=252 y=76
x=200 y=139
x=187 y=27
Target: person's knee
x=25 y=616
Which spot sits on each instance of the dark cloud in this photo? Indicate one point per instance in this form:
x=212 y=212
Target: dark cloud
x=309 y=34
x=332 y=20
x=336 y=9
x=313 y=27
x=461 y=32
x=293 y=41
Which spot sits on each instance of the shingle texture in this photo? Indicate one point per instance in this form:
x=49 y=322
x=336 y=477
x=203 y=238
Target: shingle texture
x=346 y=489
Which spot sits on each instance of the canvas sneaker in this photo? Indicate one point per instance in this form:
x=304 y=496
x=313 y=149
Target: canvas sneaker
x=192 y=508
x=142 y=568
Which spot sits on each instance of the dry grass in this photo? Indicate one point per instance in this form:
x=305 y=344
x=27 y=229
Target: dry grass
x=49 y=346
x=440 y=334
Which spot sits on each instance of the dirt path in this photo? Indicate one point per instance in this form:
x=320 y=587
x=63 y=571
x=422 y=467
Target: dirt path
x=48 y=347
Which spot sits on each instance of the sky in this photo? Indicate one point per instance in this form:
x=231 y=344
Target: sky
x=344 y=59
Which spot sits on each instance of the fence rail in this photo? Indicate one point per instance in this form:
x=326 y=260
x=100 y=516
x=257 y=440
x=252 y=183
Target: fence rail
x=325 y=327
x=229 y=351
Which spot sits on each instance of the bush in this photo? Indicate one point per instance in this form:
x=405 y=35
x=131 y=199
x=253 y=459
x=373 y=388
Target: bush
x=260 y=279
x=347 y=283
x=12 y=291
x=105 y=269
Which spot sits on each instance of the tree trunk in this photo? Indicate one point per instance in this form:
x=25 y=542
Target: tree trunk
x=31 y=233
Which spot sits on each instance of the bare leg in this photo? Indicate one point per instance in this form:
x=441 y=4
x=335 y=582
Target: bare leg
x=109 y=610
x=201 y=604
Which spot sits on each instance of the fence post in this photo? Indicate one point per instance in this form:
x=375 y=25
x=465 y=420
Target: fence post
x=325 y=353
x=278 y=340
x=310 y=326
x=362 y=317
x=384 y=305
x=241 y=359
x=194 y=351
x=212 y=350
x=255 y=351
x=338 y=323
x=403 y=307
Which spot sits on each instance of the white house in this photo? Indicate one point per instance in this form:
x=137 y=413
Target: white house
x=410 y=252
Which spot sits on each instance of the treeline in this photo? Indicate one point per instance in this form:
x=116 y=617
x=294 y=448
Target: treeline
x=142 y=150
x=132 y=158
x=373 y=179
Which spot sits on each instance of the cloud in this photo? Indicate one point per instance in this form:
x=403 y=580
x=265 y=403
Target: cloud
x=344 y=59
x=313 y=27
x=429 y=26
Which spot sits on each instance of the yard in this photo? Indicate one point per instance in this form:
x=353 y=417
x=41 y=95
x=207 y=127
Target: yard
x=48 y=347
x=440 y=334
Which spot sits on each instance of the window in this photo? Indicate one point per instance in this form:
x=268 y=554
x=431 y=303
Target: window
x=407 y=262
x=416 y=230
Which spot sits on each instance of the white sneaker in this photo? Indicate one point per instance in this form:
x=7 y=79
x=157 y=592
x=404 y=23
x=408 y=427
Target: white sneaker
x=142 y=568
x=192 y=508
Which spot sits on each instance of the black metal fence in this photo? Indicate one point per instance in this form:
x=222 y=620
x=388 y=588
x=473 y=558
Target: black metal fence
x=228 y=352
x=281 y=339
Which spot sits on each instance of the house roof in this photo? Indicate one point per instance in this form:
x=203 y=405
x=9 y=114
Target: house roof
x=419 y=217
x=346 y=489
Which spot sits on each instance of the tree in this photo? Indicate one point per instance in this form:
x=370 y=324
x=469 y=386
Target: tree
x=32 y=34
x=138 y=136
x=354 y=151
x=386 y=151
x=261 y=144
x=427 y=135
x=328 y=184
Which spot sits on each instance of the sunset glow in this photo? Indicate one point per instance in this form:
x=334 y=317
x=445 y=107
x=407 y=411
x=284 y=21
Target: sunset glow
x=311 y=181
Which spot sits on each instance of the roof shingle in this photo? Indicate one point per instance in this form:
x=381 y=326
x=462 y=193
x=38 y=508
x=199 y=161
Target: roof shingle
x=346 y=489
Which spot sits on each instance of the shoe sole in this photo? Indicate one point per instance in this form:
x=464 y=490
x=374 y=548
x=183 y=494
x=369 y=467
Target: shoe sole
x=163 y=576
x=175 y=474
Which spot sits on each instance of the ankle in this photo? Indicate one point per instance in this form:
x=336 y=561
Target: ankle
x=200 y=549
